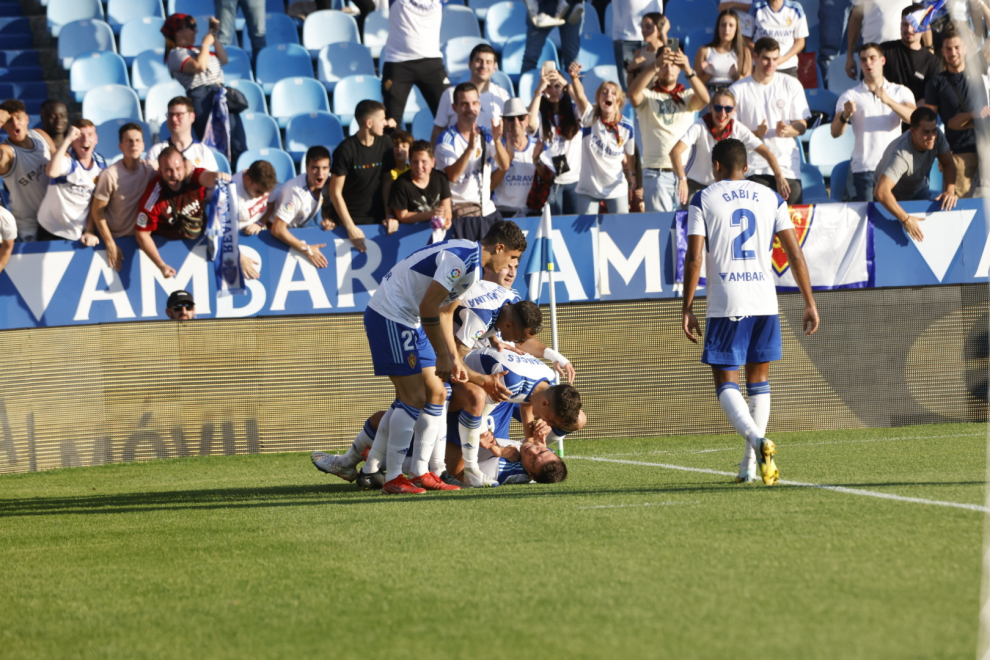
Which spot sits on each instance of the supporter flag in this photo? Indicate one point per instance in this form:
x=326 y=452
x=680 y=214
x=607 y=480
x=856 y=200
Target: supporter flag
x=217 y=132
x=837 y=241
x=221 y=232
x=921 y=19
x=541 y=257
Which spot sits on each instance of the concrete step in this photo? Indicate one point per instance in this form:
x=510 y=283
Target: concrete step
x=19 y=58
x=20 y=74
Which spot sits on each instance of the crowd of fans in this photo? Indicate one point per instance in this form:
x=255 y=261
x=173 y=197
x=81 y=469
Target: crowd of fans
x=491 y=156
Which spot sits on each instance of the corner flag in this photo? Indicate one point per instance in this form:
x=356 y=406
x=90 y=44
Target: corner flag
x=541 y=258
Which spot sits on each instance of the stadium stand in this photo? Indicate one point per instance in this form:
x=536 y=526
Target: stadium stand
x=95 y=69
x=825 y=152
x=120 y=12
x=139 y=35
x=813 y=185
x=505 y=20
x=839 y=181
x=458 y=21
x=352 y=90
x=62 y=12
x=422 y=125
x=148 y=70
x=695 y=39
x=514 y=50
x=316 y=128
x=688 y=15
x=253 y=93
x=279 y=29
x=238 y=65
x=261 y=131
x=111 y=102
x=327 y=27
x=291 y=96
x=156 y=103
x=281 y=61
x=481 y=8
x=343 y=59
x=285 y=169
x=596 y=49
x=84 y=36
x=375 y=32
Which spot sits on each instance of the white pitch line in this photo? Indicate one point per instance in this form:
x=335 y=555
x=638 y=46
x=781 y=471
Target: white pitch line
x=623 y=506
x=836 y=489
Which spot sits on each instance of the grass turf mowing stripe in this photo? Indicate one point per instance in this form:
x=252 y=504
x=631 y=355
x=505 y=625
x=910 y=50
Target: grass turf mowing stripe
x=801 y=484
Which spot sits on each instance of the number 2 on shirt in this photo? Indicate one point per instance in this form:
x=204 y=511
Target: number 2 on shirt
x=743 y=218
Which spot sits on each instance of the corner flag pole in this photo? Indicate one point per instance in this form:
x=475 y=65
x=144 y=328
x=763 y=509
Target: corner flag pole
x=553 y=302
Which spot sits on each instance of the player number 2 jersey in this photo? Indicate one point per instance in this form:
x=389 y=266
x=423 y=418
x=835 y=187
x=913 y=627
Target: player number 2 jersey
x=738 y=220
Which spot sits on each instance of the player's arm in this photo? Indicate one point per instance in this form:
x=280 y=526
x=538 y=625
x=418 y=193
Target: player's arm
x=439 y=329
x=562 y=365
x=692 y=275
x=795 y=257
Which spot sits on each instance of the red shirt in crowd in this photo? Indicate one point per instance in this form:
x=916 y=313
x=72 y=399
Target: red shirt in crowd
x=174 y=214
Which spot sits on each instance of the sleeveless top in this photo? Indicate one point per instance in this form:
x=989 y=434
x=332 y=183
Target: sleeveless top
x=27 y=182
x=721 y=63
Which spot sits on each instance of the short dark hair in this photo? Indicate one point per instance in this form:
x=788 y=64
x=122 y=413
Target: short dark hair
x=316 y=152
x=421 y=145
x=183 y=100
x=910 y=9
x=730 y=154
x=765 y=44
x=12 y=106
x=875 y=46
x=366 y=108
x=262 y=174
x=465 y=87
x=83 y=123
x=951 y=33
x=481 y=48
x=401 y=137
x=129 y=126
x=50 y=103
x=168 y=152
x=566 y=403
x=505 y=232
x=529 y=316
x=552 y=472
x=920 y=114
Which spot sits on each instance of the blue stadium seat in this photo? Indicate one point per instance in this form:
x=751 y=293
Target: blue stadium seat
x=147 y=70
x=193 y=8
x=328 y=26
x=514 y=50
x=456 y=53
x=824 y=151
x=62 y=12
x=607 y=28
x=261 y=131
x=838 y=80
x=139 y=35
x=342 y=59
x=500 y=78
x=505 y=20
x=811 y=10
x=95 y=69
x=688 y=15
x=312 y=128
x=238 y=66
x=120 y=12
x=294 y=95
x=156 y=103
x=595 y=77
x=279 y=29
x=823 y=101
x=275 y=6
x=936 y=181
x=108 y=134
x=352 y=90
x=375 y=32
x=281 y=61
x=458 y=21
x=422 y=125
x=813 y=185
x=596 y=49
x=695 y=39
x=285 y=169
x=481 y=7
x=81 y=37
x=223 y=165
x=591 y=24
x=838 y=182
x=528 y=81
x=111 y=102
x=253 y=93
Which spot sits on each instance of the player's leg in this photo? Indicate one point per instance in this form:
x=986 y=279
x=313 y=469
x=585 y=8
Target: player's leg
x=428 y=428
x=401 y=427
x=764 y=348
x=473 y=404
x=344 y=465
x=726 y=344
x=438 y=457
x=758 y=393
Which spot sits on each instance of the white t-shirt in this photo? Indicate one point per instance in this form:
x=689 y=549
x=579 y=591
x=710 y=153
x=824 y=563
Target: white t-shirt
x=197 y=153
x=626 y=17
x=782 y=99
x=65 y=208
x=8 y=226
x=251 y=209
x=874 y=124
x=474 y=320
x=492 y=102
x=413 y=30
x=739 y=220
x=881 y=19
x=700 y=141
x=558 y=146
x=662 y=122
x=454 y=264
x=603 y=154
x=475 y=182
x=512 y=192
x=296 y=205
x=785 y=26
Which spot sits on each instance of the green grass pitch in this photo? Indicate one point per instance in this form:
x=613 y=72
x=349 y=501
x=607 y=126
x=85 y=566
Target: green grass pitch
x=264 y=557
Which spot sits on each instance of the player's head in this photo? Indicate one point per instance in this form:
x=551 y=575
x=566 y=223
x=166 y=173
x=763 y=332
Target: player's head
x=317 y=166
x=560 y=407
x=924 y=130
x=172 y=167
x=520 y=321
x=767 y=55
x=505 y=242
x=729 y=160
x=542 y=465
x=504 y=278
x=370 y=115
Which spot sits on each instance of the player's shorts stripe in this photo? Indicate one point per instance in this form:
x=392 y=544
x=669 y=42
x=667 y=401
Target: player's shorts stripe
x=393 y=340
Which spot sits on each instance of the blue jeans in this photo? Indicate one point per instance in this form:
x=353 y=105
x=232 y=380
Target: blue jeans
x=563 y=199
x=570 y=39
x=254 y=16
x=863 y=184
x=624 y=51
x=833 y=16
x=660 y=191
x=588 y=205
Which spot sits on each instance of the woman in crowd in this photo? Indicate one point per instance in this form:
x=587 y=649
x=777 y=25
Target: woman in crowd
x=608 y=148
x=655 y=27
x=198 y=71
x=725 y=59
x=553 y=115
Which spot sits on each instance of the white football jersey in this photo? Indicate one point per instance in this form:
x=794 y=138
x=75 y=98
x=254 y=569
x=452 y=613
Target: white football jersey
x=738 y=220
x=454 y=264
x=500 y=469
x=474 y=321
x=522 y=372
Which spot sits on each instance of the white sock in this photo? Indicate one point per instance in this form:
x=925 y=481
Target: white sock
x=734 y=406
x=400 y=435
x=428 y=427
x=438 y=460
x=470 y=430
x=380 y=445
x=759 y=410
x=364 y=439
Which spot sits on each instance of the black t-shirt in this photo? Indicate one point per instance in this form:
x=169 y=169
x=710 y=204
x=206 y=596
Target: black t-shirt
x=911 y=68
x=940 y=92
x=365 y=170
x=407 y=195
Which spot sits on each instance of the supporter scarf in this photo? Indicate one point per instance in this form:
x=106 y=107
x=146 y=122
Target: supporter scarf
x=613 y=127
x=217 y=133
x=675 y=92
x=726 y=132
x=222 y=247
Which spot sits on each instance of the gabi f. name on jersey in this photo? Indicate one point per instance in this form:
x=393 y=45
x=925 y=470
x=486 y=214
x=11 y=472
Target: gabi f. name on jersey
x=455 y=264
x=474 y=322
x=522 y=372
x=738 y=220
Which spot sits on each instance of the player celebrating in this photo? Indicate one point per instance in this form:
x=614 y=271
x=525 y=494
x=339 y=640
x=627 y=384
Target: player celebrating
x=731 y=223
x=409 y=323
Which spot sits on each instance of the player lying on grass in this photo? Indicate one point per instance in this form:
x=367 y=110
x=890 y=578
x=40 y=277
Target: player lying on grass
x=409 y=324
x=731 y=223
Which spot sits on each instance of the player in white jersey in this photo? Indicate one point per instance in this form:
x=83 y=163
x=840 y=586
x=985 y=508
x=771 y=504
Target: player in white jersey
x=409 y=323
x=732 y=223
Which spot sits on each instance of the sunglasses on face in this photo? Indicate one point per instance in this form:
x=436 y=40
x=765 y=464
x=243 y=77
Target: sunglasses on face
x=723 y=108
x=519 y=118
x=181 y=306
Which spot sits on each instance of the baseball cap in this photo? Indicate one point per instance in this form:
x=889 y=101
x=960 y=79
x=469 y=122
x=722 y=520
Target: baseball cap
x=178 y=297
